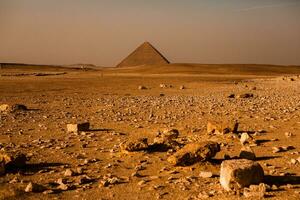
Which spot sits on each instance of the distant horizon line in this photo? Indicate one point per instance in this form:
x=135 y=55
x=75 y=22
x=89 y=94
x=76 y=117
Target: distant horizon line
x=171 y=63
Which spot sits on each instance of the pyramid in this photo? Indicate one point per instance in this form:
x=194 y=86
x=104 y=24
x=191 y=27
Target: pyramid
x=145 y=54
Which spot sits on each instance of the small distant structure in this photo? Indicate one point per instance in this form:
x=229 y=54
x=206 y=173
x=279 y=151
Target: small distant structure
x=145 y=54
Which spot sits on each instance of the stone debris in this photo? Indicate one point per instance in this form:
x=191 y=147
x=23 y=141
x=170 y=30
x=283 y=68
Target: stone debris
x=165 y=140
x=231 y=96
x=255 y=191
x=294 y=161
x=12 y=108
x=140 y=144
x=69 y=172
x=166 y=135
x=194 y=152
x=34 y=187
x=163 y=85
x=288 y=134
x=4 y=108
x=141 y=87
x=109 y=180
x=277 y=149
x=282 y=149
x=182 y=87
x=222 y=127
x=236 y=174
x=247 y=153
x=76 y=128
x=39 y=135
x=245 y=95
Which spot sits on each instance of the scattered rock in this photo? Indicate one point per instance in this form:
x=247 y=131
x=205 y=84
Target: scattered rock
x=162 y=85
x=277 y=149
x=194 y=152
x=240 y=173
x=75 y=128
x=165 y=140
x=182 y=87
x=12 y=108
x=141 y=87
x=294 y=161
x=231 y=96
x=255 y=191
x=223 y=127
x=12 y=159
x=288 y=134
x=18 y=107
x=4 y=108
x=68 y=172
x=110 y=180
x=245 y=95
x=135 y=145
x=33 y=187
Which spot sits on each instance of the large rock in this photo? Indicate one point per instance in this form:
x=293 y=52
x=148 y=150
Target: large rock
x=222 y=127
x=194 y=152
x=240 y=173
x=75 y=128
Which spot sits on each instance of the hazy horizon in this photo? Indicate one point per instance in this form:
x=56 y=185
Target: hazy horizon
x=104 y=32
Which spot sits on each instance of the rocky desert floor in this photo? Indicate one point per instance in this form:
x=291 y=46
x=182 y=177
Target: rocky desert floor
x=91 y=165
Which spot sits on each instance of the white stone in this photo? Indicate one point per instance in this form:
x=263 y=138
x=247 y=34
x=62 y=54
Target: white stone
x=240 y=173
x=245 y=137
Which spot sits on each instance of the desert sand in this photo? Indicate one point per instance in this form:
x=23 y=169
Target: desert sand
x=130 y=103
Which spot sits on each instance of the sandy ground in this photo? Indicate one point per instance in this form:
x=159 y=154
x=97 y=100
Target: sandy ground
x=118 y=111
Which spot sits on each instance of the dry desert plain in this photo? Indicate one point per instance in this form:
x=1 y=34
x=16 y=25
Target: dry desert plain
x=126 y=104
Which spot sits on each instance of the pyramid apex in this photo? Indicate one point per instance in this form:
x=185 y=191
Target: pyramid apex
x=145 y=54
x=147 y=43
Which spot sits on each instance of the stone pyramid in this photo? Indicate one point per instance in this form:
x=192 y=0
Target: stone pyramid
x=145 y=54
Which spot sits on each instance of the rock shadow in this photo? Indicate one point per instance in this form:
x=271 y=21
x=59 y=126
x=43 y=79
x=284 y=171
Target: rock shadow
x=33 y=168
x=282 y=180
x=100 y=130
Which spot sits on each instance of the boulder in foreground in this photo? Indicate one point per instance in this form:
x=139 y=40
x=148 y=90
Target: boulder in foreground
x=236 y=174
x=194 y=152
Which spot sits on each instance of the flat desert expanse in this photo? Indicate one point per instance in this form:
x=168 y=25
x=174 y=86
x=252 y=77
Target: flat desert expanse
x=125 y=104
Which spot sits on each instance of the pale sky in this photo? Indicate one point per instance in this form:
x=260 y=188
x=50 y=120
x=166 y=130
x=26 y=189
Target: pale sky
x=103 y=32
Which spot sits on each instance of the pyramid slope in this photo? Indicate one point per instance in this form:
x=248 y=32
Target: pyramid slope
x=145 y=54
